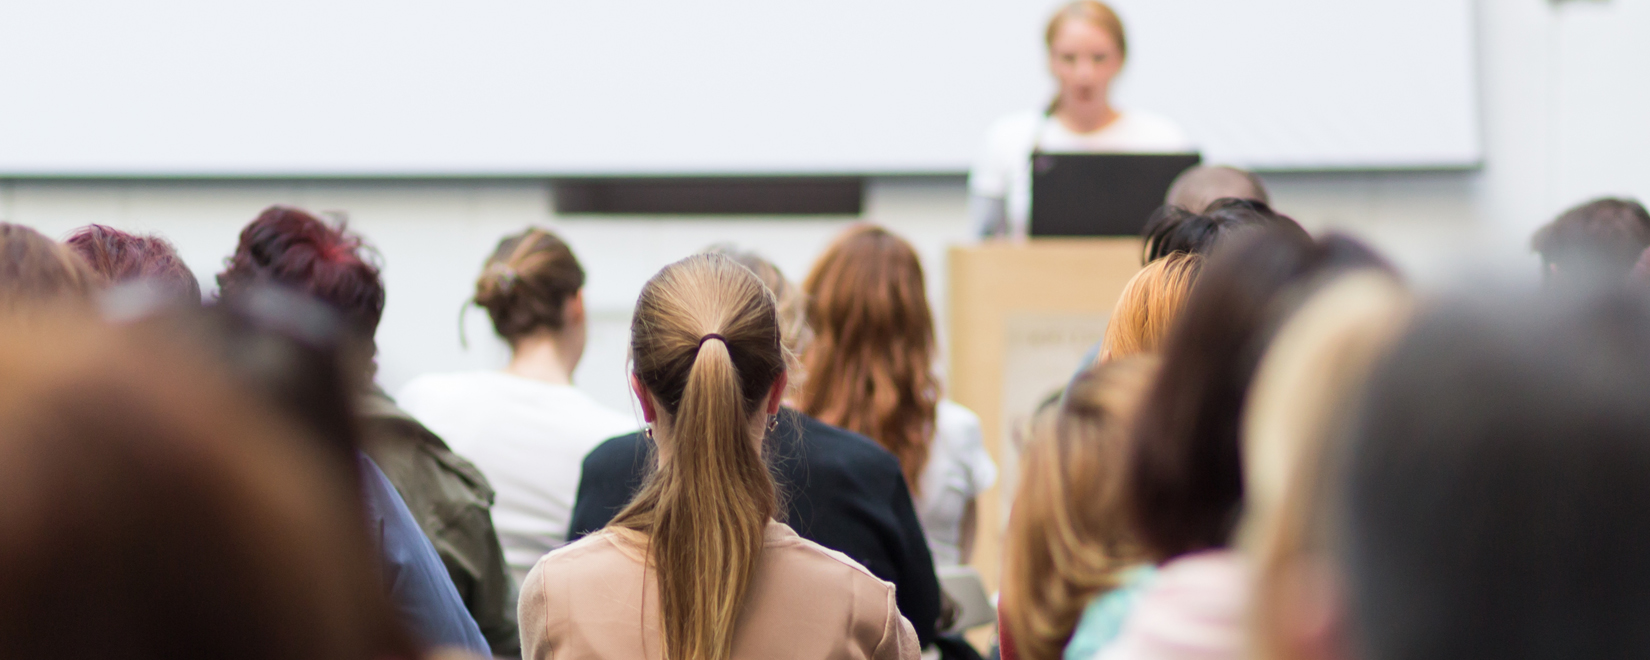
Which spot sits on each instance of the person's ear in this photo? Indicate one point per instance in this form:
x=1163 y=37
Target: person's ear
x=649 y=413
x=572 y=312
x=776 y=393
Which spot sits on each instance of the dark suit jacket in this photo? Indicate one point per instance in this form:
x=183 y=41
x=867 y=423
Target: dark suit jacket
x=840 y=490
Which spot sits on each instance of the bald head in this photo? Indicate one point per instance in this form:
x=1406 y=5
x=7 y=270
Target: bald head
x=1196 y=188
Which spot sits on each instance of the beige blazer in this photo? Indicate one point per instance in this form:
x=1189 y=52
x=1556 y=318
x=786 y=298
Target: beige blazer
x=586 y=600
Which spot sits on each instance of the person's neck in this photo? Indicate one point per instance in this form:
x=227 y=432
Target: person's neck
x=543 y=357
x=1085 y=117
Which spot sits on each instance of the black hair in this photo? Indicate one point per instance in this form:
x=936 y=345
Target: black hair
x=1173 y=229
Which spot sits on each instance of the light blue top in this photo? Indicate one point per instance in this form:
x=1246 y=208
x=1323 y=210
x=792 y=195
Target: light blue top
x=1104 y=616
x=418 y=582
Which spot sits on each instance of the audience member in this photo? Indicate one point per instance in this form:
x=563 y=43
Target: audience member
x=286 y=348
x=871 y=371
x=1597 y=241
x=120 y=257
x=1494 y=502
x=526 y=427
x=1184 y=476
x=1301 y=397
x=1195 y=189
x=1172 y=229
x=1067 y=555
x=449 y=496
x=154 y=512
x=839 y=488
x=1150 y=303
x=709 y=372
x=36 y=271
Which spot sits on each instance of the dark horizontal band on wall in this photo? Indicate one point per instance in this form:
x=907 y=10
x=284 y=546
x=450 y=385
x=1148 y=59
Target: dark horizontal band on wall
x=711 y=196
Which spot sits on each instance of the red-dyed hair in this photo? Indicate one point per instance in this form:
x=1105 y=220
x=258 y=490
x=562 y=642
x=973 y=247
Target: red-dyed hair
x=121 y=257
x=293 y=248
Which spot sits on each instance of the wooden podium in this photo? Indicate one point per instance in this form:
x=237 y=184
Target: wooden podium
x=1022 y=315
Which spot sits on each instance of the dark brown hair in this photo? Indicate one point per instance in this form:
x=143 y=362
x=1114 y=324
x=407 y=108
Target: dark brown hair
x=1173 y=229
x=36 y=271
x=1185 y=473
x=122 y=257
x=153 y=512
x=1602 y=238
x=871 y=366
x=525 y=284
x=705 y=344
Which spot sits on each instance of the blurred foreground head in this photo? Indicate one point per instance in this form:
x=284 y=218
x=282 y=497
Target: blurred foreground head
x=37 y=272
x=1496 y=504
x=1596 y=242
x=153 y=512
x=120 y=257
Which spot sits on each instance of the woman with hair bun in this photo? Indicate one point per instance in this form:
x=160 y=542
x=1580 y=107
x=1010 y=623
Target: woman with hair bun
x=526 y=427
x=696 y=568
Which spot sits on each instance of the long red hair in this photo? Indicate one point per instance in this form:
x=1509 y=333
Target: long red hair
x=870 y=368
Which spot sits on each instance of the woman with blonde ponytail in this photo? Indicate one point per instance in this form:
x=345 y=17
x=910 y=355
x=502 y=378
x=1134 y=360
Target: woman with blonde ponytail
x=696 y=568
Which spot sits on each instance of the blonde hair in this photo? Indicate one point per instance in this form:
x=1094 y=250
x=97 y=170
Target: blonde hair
x=1150 y=303
x=1067 y=538
x=705 y=344
x=790 y=303
x=871 y=366
x=1313 y=370
x=38 y=272
x=1098 y=14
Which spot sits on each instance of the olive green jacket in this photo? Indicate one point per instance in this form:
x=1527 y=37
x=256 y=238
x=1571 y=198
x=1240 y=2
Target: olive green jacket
x=453 y=503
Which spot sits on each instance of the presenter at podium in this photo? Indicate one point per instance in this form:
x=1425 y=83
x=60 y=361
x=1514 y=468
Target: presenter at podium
x=1086 y=50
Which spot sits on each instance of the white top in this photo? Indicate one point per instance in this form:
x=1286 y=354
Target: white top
x=1003 y=171
x=958 y=470
x=528 y=437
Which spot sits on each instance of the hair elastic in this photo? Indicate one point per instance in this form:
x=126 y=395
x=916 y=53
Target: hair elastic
x=711 y=336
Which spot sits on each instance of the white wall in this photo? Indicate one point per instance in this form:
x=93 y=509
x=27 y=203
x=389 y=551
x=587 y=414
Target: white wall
x=1563 y=102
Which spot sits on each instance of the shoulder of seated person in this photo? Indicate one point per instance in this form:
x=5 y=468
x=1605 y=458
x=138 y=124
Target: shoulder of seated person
x=780 y=538
x=617 y=450
x=851 y=449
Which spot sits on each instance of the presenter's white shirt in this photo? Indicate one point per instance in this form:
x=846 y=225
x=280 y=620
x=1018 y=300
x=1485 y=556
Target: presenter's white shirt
x=528 y=437
x=1003 y=170
x=958 y=470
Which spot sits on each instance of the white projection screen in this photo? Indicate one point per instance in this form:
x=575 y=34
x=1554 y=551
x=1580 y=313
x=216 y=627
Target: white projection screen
x=583 y=87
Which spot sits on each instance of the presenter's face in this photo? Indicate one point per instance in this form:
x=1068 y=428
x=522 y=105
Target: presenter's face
x=1084 y=58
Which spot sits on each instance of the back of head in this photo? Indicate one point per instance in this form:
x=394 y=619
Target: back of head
x=293 y=248
x=119 y=257
x=1150 y=303
x=527 y=282
x=1303 y=391
x=1599 y=240
x=36 y=271
x=1173 y=229
x=151 y=512
x=1197 y=188
x=1066 y=539
x=1185 y=464
x=1496 y=496
x=870 y=368
x=791 y=303
x=705 y=345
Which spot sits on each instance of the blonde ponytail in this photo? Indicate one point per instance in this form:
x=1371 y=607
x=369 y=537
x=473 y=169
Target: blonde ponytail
x=705 y=343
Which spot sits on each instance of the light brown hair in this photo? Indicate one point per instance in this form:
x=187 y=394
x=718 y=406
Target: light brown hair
x=706 y=508
x=154 y=512
x=38 y=271
x=871 y=366
x=1150 y=303
x=1067 y=538
x=789 y=301
x=525 y=284
x=1094 y=12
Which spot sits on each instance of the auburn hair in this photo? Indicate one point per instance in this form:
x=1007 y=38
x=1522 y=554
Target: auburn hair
x=1150 y=303
x=871 y=365
x=1068 y=537
x=293 y=248
x=525 y=284
x=119 y=257
x=705 y=344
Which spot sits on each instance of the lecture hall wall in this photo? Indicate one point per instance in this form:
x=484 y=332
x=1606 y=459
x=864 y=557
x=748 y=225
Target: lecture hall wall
x=1563 y=121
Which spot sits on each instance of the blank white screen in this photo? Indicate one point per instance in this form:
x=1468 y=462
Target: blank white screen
x=561 y=87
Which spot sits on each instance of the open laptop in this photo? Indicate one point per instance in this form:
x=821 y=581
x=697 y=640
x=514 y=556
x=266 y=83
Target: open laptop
x=1100 y=194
